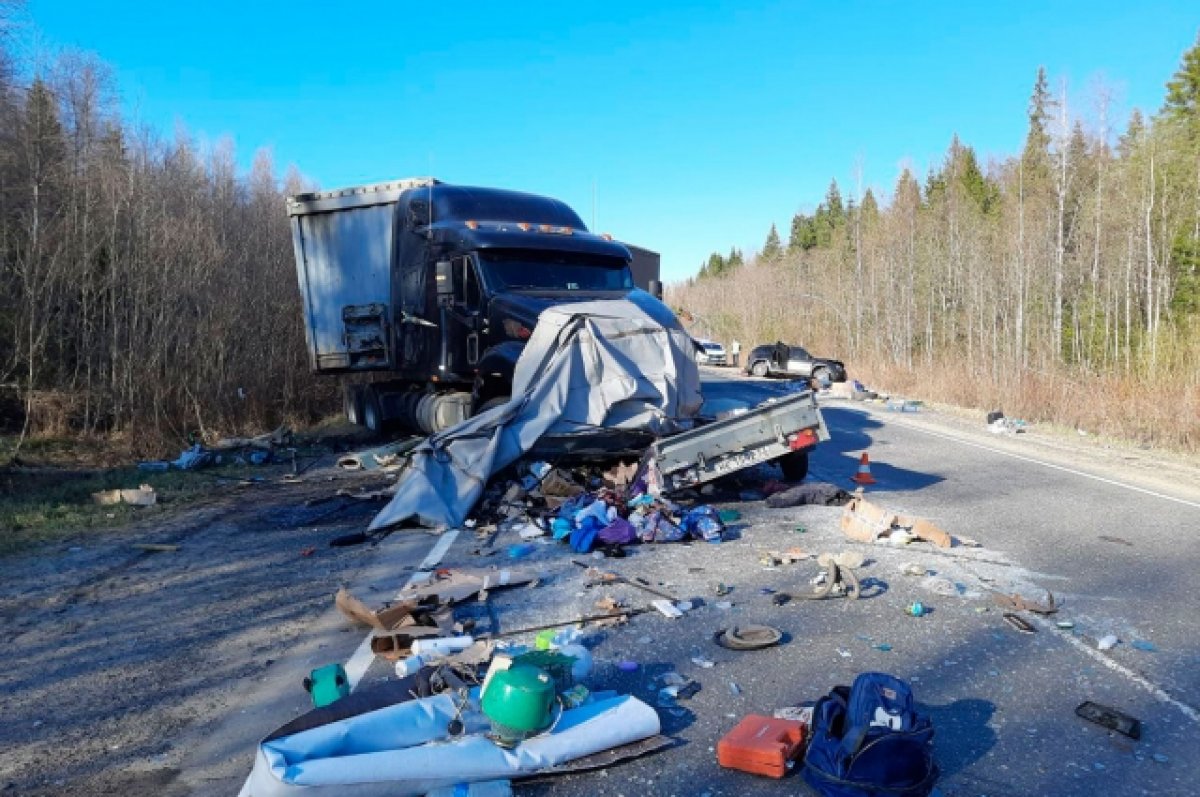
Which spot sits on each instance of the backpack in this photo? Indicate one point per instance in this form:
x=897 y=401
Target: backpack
x=869 y=740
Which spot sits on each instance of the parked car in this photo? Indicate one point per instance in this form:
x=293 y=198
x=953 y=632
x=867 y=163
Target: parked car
x=768 y=360
x=709 y=352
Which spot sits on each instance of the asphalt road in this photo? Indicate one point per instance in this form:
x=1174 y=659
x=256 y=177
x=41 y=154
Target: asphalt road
x=1110 y=532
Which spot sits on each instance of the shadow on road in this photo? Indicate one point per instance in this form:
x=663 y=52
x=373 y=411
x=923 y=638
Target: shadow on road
x=837 y=459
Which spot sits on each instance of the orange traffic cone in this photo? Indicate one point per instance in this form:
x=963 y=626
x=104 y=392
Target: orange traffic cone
x=864 y=471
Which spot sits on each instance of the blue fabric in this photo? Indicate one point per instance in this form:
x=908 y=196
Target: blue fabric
x=583 y=539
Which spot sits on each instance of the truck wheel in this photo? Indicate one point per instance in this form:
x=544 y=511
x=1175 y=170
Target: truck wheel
x=352 y=403
x=372 y=410
x=794 y=466
x=820 y=374
x=760 y=368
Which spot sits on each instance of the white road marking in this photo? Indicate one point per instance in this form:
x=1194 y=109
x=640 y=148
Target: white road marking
x=1043 y=463
x=1079 y=644
x=356 y=667
x=1159 y=693
x=360 y=660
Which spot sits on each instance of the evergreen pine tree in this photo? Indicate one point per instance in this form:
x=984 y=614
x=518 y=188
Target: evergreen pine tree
x=870 y=207
x=833 y=204
x=773 y=248
x=1183 y=93
x=1037 y=142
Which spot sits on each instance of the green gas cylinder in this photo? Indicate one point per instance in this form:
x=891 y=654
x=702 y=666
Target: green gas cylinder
x=519 y=703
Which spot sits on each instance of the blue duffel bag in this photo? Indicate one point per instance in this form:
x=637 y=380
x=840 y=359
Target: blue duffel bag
x=869 y=740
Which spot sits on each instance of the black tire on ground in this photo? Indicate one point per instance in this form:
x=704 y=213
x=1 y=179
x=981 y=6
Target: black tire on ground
x=372 y=414
x=352 y=403
x=820 y=373
x=760 y=368
x=794 y=466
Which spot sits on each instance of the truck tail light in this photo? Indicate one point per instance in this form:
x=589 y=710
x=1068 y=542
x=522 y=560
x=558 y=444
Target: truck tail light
x=472 y=224
x=805 y=438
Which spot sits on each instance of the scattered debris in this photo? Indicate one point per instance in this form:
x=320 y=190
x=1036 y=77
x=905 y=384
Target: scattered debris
x=790 y=556
x=385 y=457
x=866 y=522
x=998 y=424
x=837 y=577
x=809 y=493
x=1110 y=718
x=1016 y=603
x=153 y=547
x=666 y=608
x=1108 y=642
x=748 y=637
x=1019 y=623
x=903 y=405
x=1143 y=645
x=142 y=496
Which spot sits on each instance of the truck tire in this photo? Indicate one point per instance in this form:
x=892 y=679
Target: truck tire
x=794 y=466
x=760 y=368
x=352 y=403
x=820 y=373
x=372 y=410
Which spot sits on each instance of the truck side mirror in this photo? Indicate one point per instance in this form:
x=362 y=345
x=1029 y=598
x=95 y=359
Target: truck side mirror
x=656 y=289
x=444 y=277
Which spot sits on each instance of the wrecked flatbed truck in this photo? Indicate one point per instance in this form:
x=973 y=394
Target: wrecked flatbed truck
x=424 y=294
x=783 y=430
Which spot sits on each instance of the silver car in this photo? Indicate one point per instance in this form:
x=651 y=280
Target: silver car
x=709 y=353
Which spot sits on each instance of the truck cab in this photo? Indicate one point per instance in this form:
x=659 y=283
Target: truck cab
x=429 y=290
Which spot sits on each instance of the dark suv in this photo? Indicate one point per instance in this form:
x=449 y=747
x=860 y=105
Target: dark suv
x=773 y=359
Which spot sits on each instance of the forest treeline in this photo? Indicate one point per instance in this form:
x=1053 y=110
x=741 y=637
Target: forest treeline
x=147 y=289
x=1061 y=284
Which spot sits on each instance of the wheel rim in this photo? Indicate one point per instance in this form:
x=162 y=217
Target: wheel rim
x=759 y=369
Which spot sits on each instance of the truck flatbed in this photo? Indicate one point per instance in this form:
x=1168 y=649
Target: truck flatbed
x=776 y=428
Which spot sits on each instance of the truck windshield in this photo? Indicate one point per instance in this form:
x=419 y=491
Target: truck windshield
x=517 y=270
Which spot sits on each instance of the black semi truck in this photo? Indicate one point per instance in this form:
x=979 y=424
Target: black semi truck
x=424 y=293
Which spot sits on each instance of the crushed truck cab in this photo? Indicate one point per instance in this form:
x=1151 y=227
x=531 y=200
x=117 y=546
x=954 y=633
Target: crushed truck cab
x=429 y=291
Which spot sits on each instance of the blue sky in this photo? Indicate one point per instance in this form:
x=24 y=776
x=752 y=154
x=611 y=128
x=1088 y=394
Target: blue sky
x=694 y=128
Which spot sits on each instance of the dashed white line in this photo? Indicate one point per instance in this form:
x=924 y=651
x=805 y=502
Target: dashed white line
x=1043 y=463
x=1159 y=693
x=360 y=660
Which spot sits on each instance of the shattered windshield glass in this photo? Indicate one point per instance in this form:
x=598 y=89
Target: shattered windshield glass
x=516 y=270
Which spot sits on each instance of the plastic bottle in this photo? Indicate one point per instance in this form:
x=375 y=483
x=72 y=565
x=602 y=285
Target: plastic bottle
x=581 y=668
x=409 y=666
x=441 y=646
x=489 y=788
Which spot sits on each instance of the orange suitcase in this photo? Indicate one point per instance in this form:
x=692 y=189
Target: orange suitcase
x=761 y=745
